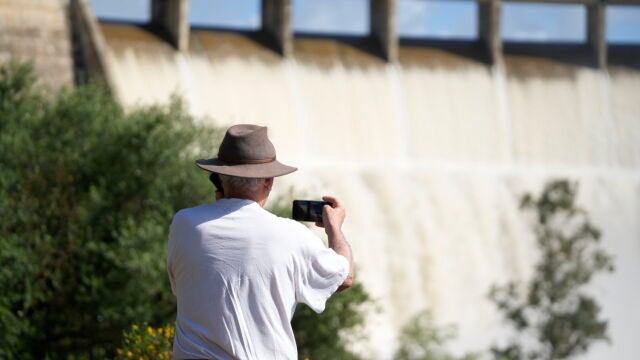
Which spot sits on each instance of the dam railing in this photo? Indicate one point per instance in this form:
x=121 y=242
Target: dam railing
x=172 y=17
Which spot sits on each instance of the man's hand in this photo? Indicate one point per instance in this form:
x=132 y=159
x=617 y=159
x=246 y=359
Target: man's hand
x=332 y=220
x=332 y=216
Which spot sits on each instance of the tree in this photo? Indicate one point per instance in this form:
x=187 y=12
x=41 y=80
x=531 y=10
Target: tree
x=88 y=191
x=556 y=318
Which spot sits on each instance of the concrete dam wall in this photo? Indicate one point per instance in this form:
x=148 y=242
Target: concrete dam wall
x=429 y=144
x=38 y=30
x=431 y=155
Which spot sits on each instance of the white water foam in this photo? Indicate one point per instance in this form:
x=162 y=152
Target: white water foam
x=432 y=161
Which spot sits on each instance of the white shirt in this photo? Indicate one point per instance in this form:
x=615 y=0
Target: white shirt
x=238 y=272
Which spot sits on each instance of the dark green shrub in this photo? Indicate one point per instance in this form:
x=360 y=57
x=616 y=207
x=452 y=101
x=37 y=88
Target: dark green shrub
x=87 y=194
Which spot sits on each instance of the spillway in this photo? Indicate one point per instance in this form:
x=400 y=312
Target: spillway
x=431 y=155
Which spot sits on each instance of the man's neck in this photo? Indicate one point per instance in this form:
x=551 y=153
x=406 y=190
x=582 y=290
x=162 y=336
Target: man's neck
x=258 y=199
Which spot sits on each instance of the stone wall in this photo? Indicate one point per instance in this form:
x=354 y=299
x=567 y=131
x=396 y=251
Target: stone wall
x=38 y=31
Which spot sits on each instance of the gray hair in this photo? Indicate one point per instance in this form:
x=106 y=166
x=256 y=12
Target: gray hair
x=240 y=184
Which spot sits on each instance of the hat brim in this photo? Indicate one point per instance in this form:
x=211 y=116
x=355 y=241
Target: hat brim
x=266 y=170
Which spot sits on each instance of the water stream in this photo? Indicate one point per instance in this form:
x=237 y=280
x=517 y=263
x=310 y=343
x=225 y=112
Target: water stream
x=431 y=155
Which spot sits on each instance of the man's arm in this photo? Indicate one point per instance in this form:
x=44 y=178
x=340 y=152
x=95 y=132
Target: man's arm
x=333 y=218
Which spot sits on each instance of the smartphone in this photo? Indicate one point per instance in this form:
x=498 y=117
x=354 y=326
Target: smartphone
x=308 y=210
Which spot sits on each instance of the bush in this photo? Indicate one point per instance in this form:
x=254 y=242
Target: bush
x=87 y=194
x=147 y=343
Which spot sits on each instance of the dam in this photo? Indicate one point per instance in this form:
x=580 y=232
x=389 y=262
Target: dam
x=429 y=143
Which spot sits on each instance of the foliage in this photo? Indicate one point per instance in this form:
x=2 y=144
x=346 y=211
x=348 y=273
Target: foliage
x=87 y=194
x=422 y=339
x=324 y=336
x=556 y=318
x=147 y=343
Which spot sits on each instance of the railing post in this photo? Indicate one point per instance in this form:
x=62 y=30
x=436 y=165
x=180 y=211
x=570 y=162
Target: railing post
x=276 y=22
x=383 y=27
x=489 y=28
x=173 y=17
x=596 y=15
x=91 y=47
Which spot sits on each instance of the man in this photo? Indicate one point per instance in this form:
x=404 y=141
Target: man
x=238 y=271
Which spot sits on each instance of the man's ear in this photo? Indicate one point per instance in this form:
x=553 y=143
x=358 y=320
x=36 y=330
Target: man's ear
x=268 y=184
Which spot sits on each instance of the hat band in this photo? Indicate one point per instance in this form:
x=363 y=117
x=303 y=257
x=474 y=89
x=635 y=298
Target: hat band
x=249 y=161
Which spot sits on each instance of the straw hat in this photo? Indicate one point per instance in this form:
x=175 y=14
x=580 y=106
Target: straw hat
x=246 y=151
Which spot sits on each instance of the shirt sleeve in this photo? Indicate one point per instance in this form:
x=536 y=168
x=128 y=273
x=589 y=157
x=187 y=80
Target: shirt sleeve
x=320 y=273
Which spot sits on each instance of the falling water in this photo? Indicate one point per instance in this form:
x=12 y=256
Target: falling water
x=431 y=156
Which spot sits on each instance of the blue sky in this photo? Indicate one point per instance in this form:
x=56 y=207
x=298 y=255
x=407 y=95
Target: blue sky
x=415 y=18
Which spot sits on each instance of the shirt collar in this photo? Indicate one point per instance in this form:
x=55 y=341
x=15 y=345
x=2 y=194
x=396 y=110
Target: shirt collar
x=234 y=202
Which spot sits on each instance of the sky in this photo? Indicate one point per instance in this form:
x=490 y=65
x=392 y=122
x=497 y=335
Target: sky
x=415 y=18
